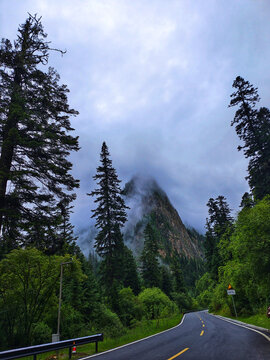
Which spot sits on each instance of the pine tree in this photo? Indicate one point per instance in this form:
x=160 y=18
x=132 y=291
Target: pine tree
x=110 y=216
x=179 y=283
x=67 y=239
x=253 y=127
x=34 y=126
x=247 y=201
x=149 y=258
x=166 y=281
x=220 y=220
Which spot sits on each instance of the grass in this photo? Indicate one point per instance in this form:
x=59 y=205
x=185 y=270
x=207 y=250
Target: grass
x=258 y=319
x=144 y=329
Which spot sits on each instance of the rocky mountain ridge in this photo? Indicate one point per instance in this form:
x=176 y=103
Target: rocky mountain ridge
x=149 y=203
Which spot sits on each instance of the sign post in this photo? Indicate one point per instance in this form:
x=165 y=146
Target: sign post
x=232 y=292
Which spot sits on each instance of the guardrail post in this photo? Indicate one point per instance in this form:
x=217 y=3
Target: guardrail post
x=35 y=357
x=96 y=346
x=69 y=353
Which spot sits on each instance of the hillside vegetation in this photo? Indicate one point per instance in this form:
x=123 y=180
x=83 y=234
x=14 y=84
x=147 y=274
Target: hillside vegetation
x=238 y=250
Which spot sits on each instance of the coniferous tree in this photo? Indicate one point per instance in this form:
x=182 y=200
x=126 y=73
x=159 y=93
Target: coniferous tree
x=179 y=283
x=110 y=216
x=34 y=139
x=166 y=281
x=220 y=220
x=149 y=258
x=253 y=127
x=130 y=271
x=67 y=242
x=247 y=201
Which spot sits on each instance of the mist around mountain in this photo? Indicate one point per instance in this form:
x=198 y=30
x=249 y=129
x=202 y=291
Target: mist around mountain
x=147 y=202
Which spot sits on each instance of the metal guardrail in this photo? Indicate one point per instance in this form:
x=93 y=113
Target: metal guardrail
x=38 y=349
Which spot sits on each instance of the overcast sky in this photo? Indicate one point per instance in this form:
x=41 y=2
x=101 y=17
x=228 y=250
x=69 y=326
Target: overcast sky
x=153 y=79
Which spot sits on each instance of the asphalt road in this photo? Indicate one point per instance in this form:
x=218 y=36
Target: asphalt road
x=200 y=336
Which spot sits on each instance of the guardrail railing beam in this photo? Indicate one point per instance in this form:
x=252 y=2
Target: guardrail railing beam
x=38 y=349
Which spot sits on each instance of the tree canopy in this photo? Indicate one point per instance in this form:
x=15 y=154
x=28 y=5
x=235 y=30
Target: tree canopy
x=35 y=141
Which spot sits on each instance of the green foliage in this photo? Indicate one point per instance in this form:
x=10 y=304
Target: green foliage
x=110 y=213
x=182 y=300
x=156 y=304
x=204 y=290
x=149 y=258
x=35 y=143
x=166 y=281
x=130 y=308
x=108 y=323
x=29 y=281
x=110 y=216
x=218 y=225
x=178 y=278
x=253 y=127
x=42 y=333
x=72 y=324
x=248 y=268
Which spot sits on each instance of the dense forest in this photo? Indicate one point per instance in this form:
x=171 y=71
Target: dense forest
x=111 y=290
x=237 y=250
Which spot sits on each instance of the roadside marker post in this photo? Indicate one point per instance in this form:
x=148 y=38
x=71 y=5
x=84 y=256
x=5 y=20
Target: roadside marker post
x=231 y=291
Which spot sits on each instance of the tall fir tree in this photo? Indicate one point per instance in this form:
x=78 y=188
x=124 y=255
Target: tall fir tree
x=150 y=266
x=34 y=138
x=253 y=128
x=110 y=216
x=178 y=277
x=217 y=225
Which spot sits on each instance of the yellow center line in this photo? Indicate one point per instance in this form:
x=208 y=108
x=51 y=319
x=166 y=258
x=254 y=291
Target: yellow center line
x=202 y=333
x=203 y=325
x=181 y=352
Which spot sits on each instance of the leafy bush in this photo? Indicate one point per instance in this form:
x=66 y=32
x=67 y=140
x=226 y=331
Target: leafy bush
x=108 y=323
x=156 y=304
x=71 y=322
x=183 y=301
x=130 y=308
x=42 y=333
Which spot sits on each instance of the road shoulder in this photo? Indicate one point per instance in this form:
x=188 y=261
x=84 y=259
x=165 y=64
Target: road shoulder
x=262 y=331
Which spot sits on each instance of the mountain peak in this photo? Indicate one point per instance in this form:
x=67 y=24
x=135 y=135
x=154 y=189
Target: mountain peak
x=142 y=186
x=149 y=203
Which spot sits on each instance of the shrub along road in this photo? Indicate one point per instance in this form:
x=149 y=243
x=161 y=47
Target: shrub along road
x=199 y=336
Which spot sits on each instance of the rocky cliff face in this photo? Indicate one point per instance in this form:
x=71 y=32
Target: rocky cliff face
x=148 y=202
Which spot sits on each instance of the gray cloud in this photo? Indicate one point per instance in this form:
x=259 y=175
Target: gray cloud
x=153 y=79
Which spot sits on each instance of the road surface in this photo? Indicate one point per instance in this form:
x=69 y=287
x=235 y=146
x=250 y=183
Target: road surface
x=200 y=336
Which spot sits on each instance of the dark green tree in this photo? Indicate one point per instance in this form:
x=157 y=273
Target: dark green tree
x=217 y=225
x=178 y=278
x=34 y=138
x=253 y=128
x=149 y=258
x=130 y=272
x=110 y=216
x=247 y=201
x=166 y=281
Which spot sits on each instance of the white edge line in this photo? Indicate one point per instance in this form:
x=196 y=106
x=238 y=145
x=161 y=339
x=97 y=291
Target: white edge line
x=246 y=327
x=134 y=342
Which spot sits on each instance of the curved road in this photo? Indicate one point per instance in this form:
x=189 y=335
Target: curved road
x=200 y=336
